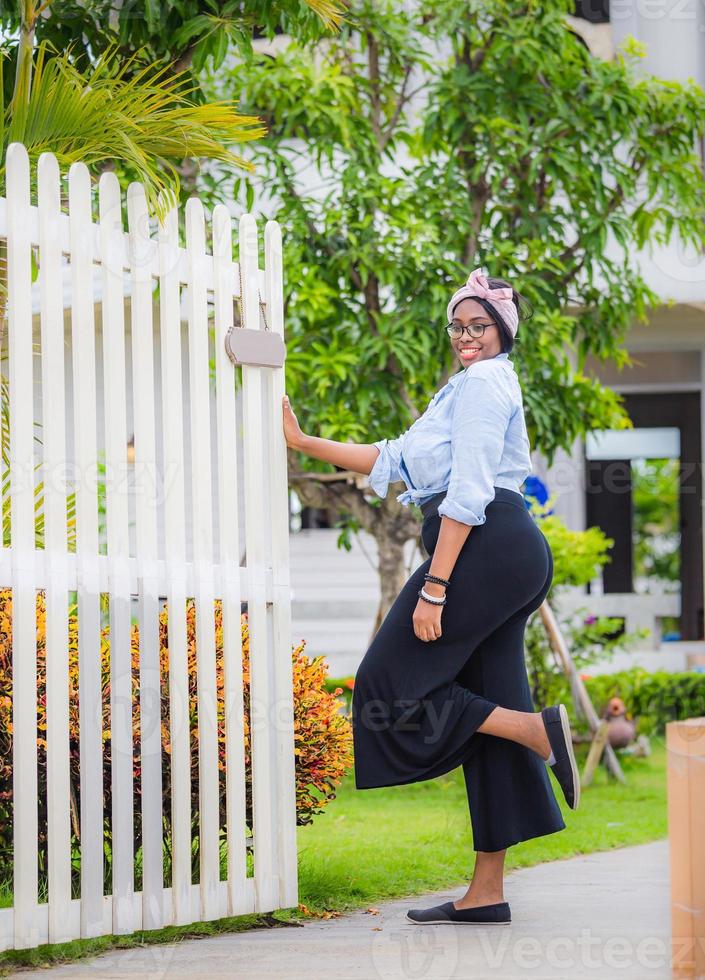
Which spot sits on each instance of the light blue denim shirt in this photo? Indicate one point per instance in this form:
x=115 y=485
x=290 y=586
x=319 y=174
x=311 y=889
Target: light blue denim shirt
x=471 y=438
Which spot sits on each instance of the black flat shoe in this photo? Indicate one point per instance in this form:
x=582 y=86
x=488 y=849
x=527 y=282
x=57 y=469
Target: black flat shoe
x=557 y=724
x=486 y=915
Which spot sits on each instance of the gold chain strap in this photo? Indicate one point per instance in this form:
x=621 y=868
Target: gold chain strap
x=260 y=300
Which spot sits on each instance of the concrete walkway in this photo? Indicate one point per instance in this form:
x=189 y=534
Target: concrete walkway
x=599 y=916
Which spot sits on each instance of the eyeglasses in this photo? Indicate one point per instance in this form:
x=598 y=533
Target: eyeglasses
x=475 y=330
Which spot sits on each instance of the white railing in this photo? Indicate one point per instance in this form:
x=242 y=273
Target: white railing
x=129 y=383
x=639 y=611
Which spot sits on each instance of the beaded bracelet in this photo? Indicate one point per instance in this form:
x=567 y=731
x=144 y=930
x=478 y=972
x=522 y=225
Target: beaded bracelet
x=436 y=578
x=434 y=600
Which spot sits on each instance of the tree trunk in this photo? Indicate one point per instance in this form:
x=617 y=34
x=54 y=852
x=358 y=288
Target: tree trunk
x=390 y=523
x=391 y=570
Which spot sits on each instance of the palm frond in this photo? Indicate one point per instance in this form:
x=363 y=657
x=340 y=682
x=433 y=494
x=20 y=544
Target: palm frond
x=144 y=121
x=330 y=11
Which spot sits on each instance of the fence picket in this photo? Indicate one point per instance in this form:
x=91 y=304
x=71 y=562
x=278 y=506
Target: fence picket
x=281 y=607
x=118 y=545
x=142 y=335
x=235 y=797
x=89 y=647
x=175 y=552
x=264 y=799
x=202 y=510
x=24 y=647
x=55 y=549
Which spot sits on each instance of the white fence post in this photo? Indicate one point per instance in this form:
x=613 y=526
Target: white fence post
x=279 y=498
x=24 y=651
x=88 y=588
x=202 y=500
x=53 y=383
x=117 y=514
x=142 y=249
x=175 y=555
x=257 y=500
x=235 y=796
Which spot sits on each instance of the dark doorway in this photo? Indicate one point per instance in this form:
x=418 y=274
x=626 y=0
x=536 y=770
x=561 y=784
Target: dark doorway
x=610 y=493
x=608 y=487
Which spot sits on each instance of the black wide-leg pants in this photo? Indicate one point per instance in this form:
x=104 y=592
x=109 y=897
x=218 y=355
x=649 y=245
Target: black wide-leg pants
x=417 y=704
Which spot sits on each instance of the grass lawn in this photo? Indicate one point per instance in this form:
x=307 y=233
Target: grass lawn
x=384 y=843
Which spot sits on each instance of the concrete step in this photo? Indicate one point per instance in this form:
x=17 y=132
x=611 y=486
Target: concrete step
x=350 y=634
x=334 y=607
x=335 y=594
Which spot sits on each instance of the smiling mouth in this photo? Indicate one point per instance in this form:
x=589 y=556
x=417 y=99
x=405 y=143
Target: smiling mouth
x=469 y=351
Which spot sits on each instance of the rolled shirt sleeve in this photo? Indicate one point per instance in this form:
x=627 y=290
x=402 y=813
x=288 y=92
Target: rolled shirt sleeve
x=386 y=466
x=478 y=427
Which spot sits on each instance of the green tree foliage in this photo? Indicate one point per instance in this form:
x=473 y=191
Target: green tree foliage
x=141 y=125
x=656 y=521
x=412 y=147
x=409 y=149
x=116 y=84
x=176 y=32
x=578 y=556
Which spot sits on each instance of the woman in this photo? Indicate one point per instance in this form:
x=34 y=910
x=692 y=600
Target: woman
x=444 y=681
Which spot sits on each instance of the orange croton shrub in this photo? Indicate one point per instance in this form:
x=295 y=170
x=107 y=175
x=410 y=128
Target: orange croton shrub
x=323 y=738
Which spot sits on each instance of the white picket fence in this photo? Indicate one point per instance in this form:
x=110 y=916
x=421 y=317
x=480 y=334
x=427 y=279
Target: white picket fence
x=139 y=258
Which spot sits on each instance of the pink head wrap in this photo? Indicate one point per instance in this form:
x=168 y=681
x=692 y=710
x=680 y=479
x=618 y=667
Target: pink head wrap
x=500 y=299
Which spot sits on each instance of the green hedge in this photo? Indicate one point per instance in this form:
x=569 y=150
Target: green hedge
x=652 y=698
